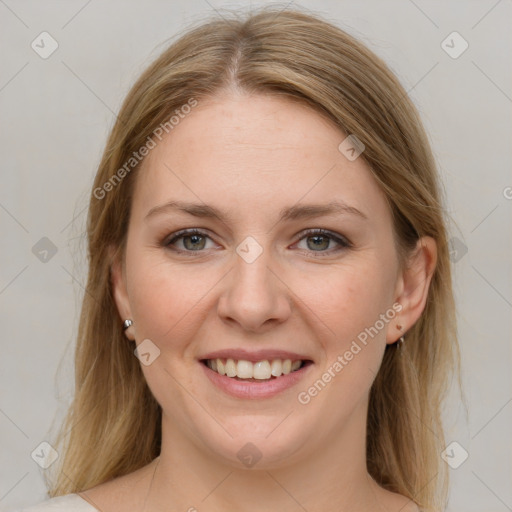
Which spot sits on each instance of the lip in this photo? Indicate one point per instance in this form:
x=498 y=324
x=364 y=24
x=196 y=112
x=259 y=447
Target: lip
x=254 y=356
x=254 y=389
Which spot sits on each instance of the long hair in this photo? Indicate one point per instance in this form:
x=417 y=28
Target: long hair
x=113 y=426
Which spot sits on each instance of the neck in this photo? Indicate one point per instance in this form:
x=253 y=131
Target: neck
x=332 y=475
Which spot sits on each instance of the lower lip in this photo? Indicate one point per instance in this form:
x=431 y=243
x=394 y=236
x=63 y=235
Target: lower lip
x=255 y=389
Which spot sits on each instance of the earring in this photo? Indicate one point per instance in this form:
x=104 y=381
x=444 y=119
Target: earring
x=401 y=339
x=127 y=323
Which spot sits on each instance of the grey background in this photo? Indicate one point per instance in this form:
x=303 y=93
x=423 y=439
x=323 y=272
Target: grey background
x=55 y=114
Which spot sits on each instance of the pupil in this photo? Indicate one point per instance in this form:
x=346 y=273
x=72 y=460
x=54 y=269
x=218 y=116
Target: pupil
x=320 y=238
x=195 y=240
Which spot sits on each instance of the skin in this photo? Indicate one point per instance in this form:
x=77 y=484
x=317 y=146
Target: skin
x=251 y=156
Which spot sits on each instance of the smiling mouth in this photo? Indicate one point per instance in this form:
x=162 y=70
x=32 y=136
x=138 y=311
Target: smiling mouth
x=264 y=370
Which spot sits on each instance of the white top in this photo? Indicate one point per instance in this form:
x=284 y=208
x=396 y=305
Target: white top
x=66 y=503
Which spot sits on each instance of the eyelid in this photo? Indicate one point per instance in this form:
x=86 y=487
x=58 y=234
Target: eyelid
x=183 y=233
x=341 y=240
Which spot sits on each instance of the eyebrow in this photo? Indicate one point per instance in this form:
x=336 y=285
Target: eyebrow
x=295 y=212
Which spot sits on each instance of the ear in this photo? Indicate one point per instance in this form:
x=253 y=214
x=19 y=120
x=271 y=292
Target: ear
x=118 y=283
x=412 y=287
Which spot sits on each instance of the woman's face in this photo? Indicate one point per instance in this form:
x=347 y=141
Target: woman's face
x=259 y=283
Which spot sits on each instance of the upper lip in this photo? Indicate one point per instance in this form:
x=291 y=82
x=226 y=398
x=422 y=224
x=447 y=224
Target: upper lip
x=254 y=356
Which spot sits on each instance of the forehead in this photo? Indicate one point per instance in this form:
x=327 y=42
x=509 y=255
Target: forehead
x=255 y=154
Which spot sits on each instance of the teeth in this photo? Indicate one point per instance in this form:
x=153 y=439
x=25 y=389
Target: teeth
x=276 y=368
x=230 y=368
x=296 y=365
x=244 y=369
x=261 y=370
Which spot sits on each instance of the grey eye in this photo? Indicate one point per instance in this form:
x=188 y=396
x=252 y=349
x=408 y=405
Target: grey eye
x=319 y=242
x=194 y=242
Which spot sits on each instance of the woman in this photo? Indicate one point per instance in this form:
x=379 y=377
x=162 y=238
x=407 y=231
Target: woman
x=269 y=319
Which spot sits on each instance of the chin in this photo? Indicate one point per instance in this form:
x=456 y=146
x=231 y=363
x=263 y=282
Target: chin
x=257 y=444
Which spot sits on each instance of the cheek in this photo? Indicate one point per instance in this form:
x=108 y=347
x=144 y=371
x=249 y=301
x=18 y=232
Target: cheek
x=348 y=298
x=351 y=303
x=167 y=299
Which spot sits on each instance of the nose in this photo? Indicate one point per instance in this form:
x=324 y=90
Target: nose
x=254 y=298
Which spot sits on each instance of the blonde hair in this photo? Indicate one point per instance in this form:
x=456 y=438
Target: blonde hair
x=113 y=425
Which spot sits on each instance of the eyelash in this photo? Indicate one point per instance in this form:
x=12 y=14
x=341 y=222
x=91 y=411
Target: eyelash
x=342 y=241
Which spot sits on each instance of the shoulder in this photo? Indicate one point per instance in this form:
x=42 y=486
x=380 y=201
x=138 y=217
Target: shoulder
x=66 y=503
x=127 y=492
